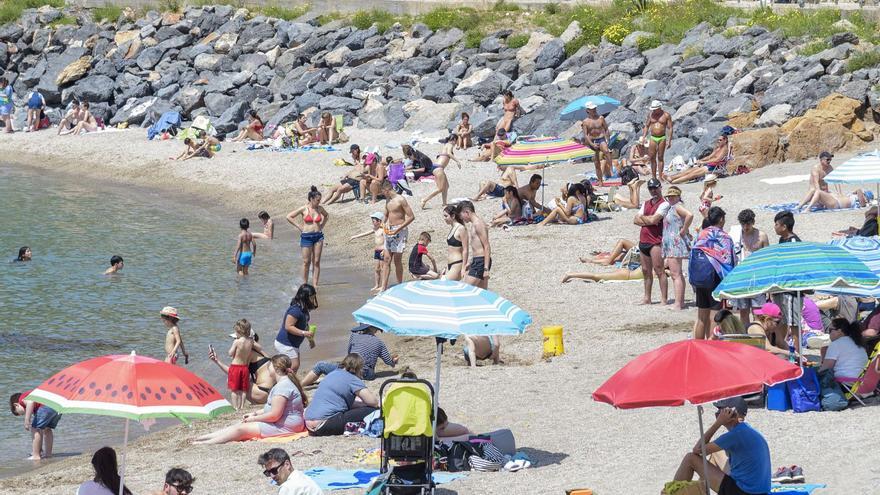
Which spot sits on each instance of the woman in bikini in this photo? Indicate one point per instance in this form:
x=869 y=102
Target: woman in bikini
x=512 y=111
x=610 y=258
x=573 y=211
x=628 y=268
x=717 y=160
x=440 y=178
x=311 y=238
x=830 y=201
x=307 y=135
x=511 y=208
x=262 y=379
x=254 y=129
x=268 y=227
x=456 y=242
x=327 y=129
x=463 y=132
x=86 y=121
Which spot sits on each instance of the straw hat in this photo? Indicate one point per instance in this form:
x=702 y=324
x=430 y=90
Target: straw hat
x=590 y=105
x=170 y=312
x=711 y=178
x=672 y=191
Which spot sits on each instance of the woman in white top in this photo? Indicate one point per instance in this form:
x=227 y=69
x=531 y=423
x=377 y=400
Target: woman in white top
x=106 y=480
x=846 y=355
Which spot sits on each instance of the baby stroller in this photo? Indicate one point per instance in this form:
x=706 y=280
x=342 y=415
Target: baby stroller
x=407 y=407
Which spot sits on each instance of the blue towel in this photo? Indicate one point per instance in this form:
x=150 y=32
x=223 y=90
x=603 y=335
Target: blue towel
x=795 y=489
x=792 y=207
x=168 y=121
x=339 y=479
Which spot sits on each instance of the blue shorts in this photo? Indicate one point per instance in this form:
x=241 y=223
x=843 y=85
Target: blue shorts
x=309 y=239
x=245 y=258
x=45 y=417
x=6 y=109
x=378 y=256
x=324 y=368
x=498 y=192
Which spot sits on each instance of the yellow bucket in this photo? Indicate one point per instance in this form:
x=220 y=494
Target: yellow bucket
x=553 y=341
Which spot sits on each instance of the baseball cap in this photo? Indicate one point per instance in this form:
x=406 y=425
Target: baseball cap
x=825 y=154
x=655 y=105
x=590 y=105
x=378 y=215
x=653 y=183
x=769 y=309
x=737 y=403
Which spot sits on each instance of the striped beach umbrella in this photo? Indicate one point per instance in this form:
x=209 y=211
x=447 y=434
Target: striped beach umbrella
x=577 y=111
x=796 y=267
x=860 y=169
x=443 y=309
x=131 y=387
x=543 y=150
x=867 y=250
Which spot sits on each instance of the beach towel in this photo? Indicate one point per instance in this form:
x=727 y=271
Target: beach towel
x=793 y=207
x=329 y=478
x=798 y=489
x=284 y=438
x=788 y=179
x=168 y=122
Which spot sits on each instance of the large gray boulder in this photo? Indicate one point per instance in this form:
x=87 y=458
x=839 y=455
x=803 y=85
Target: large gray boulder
x=440 y=41
x=358 y=57
x=632 y=66
x=134 y=111
x=214 y=62
x=699 y=63
x=722 y=45
x=149 y=57
x=419 y=65
x=190 y=98
x=775 y=115
x=438 y=90
x=736 y=104
x=229 y=119
x=217 y=103
x=253 y=34
x=339 y=103
x=551 y=55
x=483 y=85
x=428 y=116
x=91 y=89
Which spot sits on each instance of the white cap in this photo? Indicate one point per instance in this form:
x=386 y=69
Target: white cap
x=655 y=105
x=378 y=215
x=590 y=105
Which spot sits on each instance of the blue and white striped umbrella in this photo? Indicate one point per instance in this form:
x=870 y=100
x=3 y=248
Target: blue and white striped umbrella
x=442 y=308
x=867 y=250
x=860 y=169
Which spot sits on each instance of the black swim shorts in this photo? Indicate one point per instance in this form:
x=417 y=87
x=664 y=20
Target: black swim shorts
x=478 y=267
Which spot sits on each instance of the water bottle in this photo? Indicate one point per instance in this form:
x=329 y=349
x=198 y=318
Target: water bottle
x=790 y=352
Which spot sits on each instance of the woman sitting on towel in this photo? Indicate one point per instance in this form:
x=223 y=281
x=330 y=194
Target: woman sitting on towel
x=282 y=414
x=253 y=130
x=341 y=398
x=511 y=209
x=573 y=211
x=716 y=161
x=307 y=135
x=830 y=201
x=86 y=122
x=422 y=165
x=490 y=151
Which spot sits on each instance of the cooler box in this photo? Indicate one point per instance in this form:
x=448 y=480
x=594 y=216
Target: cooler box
x=778 y=398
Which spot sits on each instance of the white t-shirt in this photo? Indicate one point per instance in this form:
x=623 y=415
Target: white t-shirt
x=299 y=484
x=662 y=209
x=93 y=488
x=849 y=359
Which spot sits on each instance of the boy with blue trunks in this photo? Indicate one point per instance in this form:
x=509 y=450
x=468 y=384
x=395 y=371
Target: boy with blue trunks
x=245 y=249
x=746 y=449
x=40 y=420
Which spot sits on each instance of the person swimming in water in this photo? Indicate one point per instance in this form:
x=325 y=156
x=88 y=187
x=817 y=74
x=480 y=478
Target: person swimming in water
x=246 y=248
x=268 y=227
x=24 y=254
x=116 y=264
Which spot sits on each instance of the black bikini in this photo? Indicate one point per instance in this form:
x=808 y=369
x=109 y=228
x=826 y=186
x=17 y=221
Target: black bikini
x=252 y=370
x=451 y=241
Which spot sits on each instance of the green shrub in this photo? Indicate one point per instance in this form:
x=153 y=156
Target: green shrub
x=464 y=18
x=175 y=5
x=502 y=6
x=645 y=43
x=106 y=13
x=381 y=18
x=517 y=40
x=10 y=10
x=473 y=38
x=813 y=48
x=552 y=9
x=863 y=60
x=692 y=51
x=329 y=17
x=284 y=13
x=796 y=23
x=64 y=20
x=615 y=33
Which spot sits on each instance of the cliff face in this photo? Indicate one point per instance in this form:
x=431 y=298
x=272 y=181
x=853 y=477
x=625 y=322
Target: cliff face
x=220 y=62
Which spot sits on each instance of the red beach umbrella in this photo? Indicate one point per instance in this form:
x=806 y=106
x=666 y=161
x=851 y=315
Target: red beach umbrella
x=695 y=371
x=131 y=387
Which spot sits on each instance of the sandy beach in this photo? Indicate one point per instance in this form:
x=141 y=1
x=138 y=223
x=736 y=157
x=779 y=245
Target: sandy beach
x=572 y=440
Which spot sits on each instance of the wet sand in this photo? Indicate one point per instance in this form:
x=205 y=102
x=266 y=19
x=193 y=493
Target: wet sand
x=574 y=441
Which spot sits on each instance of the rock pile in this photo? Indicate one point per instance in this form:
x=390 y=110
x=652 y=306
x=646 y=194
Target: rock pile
x=218 y=61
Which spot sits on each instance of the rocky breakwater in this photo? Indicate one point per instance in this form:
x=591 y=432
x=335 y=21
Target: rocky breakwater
x=221 y=62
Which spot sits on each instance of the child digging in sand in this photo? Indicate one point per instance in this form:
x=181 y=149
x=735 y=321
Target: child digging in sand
x=238 y=376
x=378 y=246
x=173 y=339
x=245 y=249
x=40 y=420
x=417 y=267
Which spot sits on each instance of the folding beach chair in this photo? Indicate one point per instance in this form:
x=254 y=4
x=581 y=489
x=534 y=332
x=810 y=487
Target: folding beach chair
x=407 y=408
x=868 y=381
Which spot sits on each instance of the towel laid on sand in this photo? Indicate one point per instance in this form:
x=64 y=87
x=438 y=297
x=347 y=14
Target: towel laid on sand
x=340 y=479
x=788 y=179
x=284 y=438
x=796 y=489
x=793 y=207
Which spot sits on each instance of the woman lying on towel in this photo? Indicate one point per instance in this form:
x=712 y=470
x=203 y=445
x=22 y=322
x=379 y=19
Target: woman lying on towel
x=628 y=268
x=829 y=201
x=621 y=248
x=716 y=161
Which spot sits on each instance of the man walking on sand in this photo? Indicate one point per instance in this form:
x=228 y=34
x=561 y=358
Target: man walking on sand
x=596 y=137
x=650 y=219
x=658 y=130
x=398 y=216
x=480 y=261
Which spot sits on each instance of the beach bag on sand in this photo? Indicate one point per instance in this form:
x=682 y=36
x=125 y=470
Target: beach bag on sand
x=805 y=392
x=701 y=273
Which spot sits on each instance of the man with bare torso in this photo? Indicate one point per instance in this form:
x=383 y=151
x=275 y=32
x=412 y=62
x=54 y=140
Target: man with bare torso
x=596 y=137
x=748 y=240
x=480 y=261
x=398 y=216
x=817 y=176
x=527 y=193
x=658 y=130
x=508 y=178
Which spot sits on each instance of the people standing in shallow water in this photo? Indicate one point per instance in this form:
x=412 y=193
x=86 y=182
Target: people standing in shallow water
x=40 y=420
x=246 y=248
x=116 y=265
x=24 y=254
x=311 y=238
x=173 y=339
x=268 y=227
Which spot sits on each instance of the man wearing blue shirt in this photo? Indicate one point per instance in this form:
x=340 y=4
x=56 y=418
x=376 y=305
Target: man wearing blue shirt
x=747 y=450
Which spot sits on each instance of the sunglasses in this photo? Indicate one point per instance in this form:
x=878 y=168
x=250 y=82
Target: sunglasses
x=183 y=488
x=272 y=472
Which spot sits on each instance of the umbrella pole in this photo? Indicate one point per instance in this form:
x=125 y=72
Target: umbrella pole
x=437 y=388
x=797 y=343
x=703 y=449
x=122 y=466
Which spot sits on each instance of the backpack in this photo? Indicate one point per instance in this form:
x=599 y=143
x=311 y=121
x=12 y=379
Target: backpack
x=701 y=273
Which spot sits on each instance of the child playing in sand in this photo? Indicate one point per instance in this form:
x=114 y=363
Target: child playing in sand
x=245 y=249
x=268 y=227
x=707 y=197
x=417 y=267
x=238 y=377
x=195 y=149
x=116 y=264
x=378 y=234
x=40 y=420
x=173 y=339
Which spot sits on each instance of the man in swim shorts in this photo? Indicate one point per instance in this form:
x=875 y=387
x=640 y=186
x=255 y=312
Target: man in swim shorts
x=245 y=249
x=480 y=261
x=398 y=216
x=650 y=219
x=658 y=130
x=596 y=137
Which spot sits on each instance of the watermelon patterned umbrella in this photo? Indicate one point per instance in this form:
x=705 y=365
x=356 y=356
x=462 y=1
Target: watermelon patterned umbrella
x=131 y=387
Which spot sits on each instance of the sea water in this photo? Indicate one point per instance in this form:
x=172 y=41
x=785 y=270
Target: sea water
x=59 y=309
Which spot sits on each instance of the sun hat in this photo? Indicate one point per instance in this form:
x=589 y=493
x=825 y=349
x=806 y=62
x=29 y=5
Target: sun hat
x=710 y=178
x=737 y=403
x=672 y=191
x=653 y=183
x=590 y=105
x=169 y=311
x=769 y=309
x=378 y=215
x=655 y=105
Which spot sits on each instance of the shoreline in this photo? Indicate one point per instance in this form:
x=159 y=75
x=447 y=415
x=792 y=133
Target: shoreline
x=574 y=441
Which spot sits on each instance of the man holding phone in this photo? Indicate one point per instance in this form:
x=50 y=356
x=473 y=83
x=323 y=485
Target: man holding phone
x=746 y=448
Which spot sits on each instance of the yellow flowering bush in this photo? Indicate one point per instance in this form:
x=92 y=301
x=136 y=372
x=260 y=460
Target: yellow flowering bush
x=615 y=33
